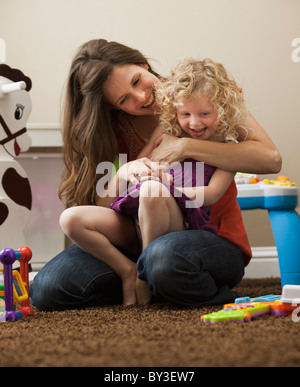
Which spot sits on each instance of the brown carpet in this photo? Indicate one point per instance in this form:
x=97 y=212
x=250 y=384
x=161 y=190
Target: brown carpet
x=157 y=335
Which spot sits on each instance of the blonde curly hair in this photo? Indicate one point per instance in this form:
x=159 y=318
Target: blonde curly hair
x=204 y=78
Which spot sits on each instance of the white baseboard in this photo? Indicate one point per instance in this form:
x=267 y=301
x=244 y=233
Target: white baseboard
x=263 y=264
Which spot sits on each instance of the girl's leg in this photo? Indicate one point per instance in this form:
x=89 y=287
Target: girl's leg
x=99 y=231
x=159 y=214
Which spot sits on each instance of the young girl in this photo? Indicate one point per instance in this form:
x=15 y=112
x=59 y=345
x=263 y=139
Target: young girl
x=199 y=100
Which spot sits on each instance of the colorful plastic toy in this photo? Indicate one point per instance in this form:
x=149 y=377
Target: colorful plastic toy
x=281 y=180
x=8 y=291
x=237 y=313
x=246 y=178
x=26 y=256
x=280 y=199
x=2 y=302
x=245 y=309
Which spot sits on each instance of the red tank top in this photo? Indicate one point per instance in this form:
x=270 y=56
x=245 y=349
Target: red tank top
x=227 y=218
x=226 y=213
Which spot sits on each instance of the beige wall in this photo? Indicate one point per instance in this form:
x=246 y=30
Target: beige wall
x=253 y=38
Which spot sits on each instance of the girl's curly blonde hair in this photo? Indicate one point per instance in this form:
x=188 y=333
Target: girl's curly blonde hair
x=203 y=78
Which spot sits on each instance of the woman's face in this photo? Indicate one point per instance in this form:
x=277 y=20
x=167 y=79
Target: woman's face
x=130 y=88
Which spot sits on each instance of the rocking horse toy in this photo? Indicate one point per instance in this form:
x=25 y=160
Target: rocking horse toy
x=15 y=191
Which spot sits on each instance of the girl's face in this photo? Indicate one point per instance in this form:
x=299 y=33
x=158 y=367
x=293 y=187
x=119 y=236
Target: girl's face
x=130 y=88
x=198 y=117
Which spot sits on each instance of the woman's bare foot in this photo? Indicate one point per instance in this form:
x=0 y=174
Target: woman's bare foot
x=142 y=292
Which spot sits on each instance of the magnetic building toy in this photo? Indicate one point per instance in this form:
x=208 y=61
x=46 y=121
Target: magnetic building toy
x=8 y=292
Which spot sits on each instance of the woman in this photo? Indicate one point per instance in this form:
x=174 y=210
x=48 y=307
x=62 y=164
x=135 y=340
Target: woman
x=110 y=109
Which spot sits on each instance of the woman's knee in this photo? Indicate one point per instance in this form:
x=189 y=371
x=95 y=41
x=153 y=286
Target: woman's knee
x=155 y=263
x=42 y=293
x=186 y=266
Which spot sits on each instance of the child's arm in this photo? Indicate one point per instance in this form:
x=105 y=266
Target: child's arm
x=210 y=194
x=217 y=186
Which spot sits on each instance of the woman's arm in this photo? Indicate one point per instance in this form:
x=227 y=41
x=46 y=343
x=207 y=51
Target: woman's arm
x=148 y=149
x=108 y=193
x=257 y=154
x=210 y=194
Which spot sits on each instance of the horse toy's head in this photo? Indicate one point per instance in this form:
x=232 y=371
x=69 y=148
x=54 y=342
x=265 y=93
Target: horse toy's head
x=15 y=107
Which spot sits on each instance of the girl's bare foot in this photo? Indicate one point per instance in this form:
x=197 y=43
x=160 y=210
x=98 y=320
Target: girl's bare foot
x=128 y=286
x=142 y=292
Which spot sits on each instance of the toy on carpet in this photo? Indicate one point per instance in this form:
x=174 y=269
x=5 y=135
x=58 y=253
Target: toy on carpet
x=245 y=309
x=8 y=293
x=15 y=190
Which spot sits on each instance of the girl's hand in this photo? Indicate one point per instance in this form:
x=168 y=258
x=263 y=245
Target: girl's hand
x=167 y=149
x=165 y=177
x=139 y=169
x=134 y=172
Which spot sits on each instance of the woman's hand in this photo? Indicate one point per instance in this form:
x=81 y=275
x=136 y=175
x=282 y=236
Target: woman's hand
x=167 y=149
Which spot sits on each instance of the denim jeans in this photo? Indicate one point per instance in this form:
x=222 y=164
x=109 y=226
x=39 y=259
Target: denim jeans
x=187 y=268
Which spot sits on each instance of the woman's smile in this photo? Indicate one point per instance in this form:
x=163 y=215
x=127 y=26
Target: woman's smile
x=151 y=101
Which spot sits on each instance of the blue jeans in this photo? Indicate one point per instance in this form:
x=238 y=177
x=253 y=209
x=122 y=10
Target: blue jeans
x=187 y=268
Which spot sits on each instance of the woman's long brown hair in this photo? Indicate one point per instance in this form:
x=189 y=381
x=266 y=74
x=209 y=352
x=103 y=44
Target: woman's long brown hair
x=88 y=134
